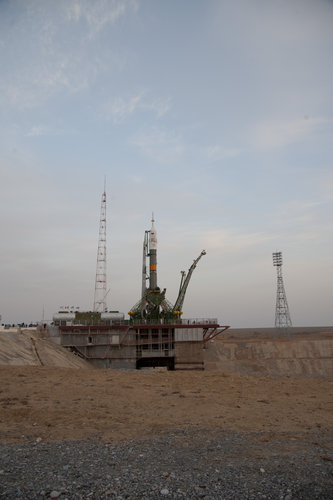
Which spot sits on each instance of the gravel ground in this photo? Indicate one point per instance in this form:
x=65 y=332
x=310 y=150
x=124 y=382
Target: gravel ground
x=178 y=464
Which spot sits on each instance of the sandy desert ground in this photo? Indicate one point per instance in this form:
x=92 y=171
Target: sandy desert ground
x=72 y=401
x=74 y=404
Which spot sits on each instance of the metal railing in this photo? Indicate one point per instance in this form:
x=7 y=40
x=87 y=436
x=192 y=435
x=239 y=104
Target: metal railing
x=138 y=322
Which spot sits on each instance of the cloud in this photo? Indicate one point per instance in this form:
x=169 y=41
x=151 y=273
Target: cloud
x=284 y=24
x=120 y=108
x=305 y=220
x=231 y=241
x=303 y=211
x=325 y=184
x=102 y=13
x=134 y=179
x=42 y=130
x=159 y=145
x=281 y=133
x=37 y=131
x=299 y=206
x=217 y=152
x=29 y=85
x=46 y=50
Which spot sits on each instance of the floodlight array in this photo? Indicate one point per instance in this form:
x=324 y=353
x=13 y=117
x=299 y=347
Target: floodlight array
x=277 y=259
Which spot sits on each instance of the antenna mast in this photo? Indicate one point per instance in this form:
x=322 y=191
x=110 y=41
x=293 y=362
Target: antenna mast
x=282 y=316
x=100 y=282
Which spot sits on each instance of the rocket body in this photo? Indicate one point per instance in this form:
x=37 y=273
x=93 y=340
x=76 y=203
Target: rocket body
x=152 y=257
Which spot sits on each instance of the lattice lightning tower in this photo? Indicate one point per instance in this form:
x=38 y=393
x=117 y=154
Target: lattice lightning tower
x=100 y=282
x=282 y=316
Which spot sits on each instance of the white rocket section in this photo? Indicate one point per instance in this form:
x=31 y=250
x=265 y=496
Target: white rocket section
x=152 y=236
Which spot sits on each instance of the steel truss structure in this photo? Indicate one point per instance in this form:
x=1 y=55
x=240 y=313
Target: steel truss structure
x=282 y=315
x=100 y=281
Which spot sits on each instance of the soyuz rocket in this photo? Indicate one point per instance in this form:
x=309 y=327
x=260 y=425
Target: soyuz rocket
x=153 y=304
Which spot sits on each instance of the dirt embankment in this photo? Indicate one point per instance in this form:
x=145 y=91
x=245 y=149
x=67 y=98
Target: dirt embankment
x=300 y=352
x=307 y=352
x=29 y=347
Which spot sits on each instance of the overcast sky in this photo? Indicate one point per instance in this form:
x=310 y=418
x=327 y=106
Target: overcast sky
x=216 y=115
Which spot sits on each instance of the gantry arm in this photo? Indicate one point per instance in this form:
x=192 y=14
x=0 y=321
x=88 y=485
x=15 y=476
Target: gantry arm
x=185 y=279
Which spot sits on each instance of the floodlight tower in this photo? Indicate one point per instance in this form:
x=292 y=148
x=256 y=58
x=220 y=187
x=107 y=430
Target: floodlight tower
x=100 y=281
x=282 y=316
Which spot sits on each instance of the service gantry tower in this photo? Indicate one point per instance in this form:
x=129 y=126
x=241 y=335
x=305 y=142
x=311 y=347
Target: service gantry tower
x=153 y=305
x=282 y=316
x=100 y=281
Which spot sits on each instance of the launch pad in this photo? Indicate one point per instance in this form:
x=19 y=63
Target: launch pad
x=155 y=333
x=130 y=345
